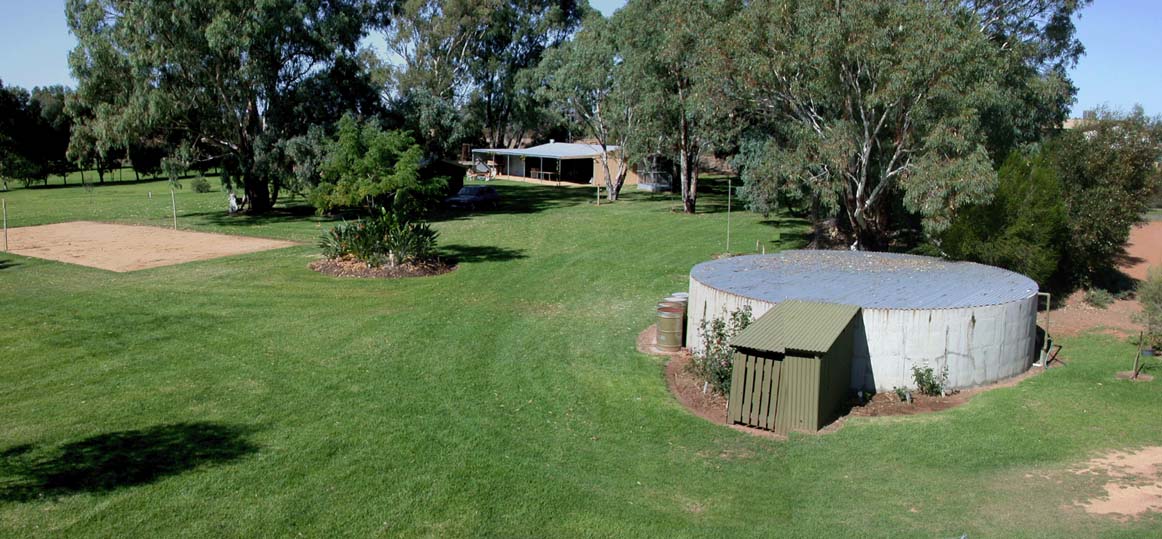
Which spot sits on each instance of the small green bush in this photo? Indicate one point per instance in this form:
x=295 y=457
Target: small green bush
x=928 y=382
x=715 y=362
x=1150 y=295
x=1099 y=298
x=201 y=185
x=384 y=239
x=901 y=393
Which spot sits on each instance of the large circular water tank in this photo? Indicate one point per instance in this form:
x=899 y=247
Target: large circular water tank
x=978 y=321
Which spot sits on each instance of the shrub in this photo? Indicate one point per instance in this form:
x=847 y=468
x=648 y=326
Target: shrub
x=714 y=363
x=383 y=239
x=1022 y=229
x=1150 y=295
x=1099 y=298
x=901 y=393
x=927 y=381
x=364 y=166
x=201 y=185
x=1108 y=170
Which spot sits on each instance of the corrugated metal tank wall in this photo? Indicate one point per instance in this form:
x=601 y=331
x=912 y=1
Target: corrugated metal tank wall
x=980 y=345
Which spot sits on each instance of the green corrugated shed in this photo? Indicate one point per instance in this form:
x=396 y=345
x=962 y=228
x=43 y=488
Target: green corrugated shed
x=797 y=325
x=792 y=366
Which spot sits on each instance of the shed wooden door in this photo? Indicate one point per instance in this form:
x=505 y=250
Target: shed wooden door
x=754 y=391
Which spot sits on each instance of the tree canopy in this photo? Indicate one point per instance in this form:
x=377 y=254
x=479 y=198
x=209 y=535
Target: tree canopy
x=365 y=166
x=224 y=73
x=859 y=105
x=586 y=81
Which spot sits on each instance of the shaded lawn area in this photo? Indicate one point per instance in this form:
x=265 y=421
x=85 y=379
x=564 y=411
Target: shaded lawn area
x=248 y=396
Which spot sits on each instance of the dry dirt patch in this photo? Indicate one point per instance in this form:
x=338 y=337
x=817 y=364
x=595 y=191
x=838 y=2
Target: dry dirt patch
x=124 y=248
x=1144 y=250
x=1134 y=486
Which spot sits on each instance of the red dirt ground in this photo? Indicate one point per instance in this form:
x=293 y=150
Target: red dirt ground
x=1143 y=251
x=123 y=248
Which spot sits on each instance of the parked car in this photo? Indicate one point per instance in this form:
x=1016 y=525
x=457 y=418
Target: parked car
x=474 y=196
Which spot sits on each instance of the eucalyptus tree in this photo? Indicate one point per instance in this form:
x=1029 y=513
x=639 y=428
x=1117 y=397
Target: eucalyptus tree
x=56 y=125
x=462 y=63
x=433 y=42
x=862 y=106
x=17 y=156
x=1037 y=44
x=221 y=72
x=675 y=82
x=585 y=80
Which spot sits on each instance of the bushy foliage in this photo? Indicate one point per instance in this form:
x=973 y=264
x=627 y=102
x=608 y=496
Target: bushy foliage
x=1109 y=168
x=383 y=239
x=366 y=166
x=715 y=362
x=928 y=382
x=866 y=107
x=1150 y=295
x=201 y=185
x=1023 y=229
x=1097 y=297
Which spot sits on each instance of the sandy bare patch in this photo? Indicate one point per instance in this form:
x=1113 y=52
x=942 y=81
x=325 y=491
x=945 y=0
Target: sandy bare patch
x=124 y=248
x=1143 y=250
x=1134 y=487
x=1078 y=317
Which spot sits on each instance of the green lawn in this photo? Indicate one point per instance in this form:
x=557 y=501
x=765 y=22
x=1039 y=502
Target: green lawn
x=251 y=397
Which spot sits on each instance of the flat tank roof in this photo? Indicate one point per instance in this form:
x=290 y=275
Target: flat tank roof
x=867 y=279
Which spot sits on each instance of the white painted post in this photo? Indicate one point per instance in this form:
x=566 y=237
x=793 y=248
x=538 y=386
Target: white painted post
x=173 y=201
x=4 y=204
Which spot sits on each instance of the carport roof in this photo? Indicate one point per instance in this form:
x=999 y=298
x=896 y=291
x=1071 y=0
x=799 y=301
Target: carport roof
x=796 y=325
x=552 y=150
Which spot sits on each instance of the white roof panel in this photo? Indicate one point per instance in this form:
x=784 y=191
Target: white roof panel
x=552 y=150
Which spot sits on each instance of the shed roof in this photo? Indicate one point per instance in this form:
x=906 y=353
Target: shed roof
x=797 y=325
x=552 y=150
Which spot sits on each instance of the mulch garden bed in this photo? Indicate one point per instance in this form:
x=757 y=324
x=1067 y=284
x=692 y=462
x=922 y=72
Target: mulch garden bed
x=350 y=267
x=689 y=391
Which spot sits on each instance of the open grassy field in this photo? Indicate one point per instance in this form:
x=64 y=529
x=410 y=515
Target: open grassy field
x=251 y=397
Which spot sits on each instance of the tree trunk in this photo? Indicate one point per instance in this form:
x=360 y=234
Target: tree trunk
x=619 y=180
x=687 y=161
x=688 y=170
x=257 y=193
x=611 y=188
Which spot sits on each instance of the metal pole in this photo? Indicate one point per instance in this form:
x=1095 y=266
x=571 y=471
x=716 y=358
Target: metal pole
x=1043 y=358
x=728 y=196
x=173 y=200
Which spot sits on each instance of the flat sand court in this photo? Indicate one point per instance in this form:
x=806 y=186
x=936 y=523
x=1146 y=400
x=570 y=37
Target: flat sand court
x=124 y=248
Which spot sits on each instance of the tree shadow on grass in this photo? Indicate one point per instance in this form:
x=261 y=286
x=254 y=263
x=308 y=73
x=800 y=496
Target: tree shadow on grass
x=523 y=199
x=277 y=215
x=469 y=254
x=107 y=462
x=5 y=264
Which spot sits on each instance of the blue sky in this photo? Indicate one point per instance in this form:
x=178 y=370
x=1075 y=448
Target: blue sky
x=1122 y=65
